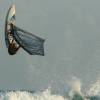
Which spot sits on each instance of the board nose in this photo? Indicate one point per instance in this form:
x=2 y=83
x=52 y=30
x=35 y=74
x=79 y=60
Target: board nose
x=13 y=8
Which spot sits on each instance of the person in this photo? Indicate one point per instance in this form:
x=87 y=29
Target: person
x=13 y=45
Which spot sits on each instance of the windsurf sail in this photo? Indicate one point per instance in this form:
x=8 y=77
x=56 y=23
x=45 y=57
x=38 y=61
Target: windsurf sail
x=33 y=44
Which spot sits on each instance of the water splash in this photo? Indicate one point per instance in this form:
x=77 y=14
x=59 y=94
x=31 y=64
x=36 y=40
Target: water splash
x=18 y=95
x=95 y=89
x=74 y=93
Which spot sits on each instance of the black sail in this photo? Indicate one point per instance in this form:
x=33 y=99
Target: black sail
x=33 y=44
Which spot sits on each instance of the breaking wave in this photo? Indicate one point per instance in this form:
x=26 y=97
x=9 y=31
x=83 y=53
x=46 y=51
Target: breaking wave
x=74 y=93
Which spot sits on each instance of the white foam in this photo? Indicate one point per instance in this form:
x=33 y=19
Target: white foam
x=73 y=94
x=18 y=95
x=94 y=89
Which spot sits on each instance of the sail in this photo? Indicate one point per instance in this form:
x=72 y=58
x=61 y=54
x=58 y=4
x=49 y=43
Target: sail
x=33 y=44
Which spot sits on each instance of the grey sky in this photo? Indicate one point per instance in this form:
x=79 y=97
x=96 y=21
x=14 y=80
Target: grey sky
x=72 y=47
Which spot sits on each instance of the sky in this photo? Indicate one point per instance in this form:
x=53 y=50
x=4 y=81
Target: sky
x=72 y=46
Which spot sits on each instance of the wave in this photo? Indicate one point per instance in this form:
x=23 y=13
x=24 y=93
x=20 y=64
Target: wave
x=24 y=95
x=74 y=93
